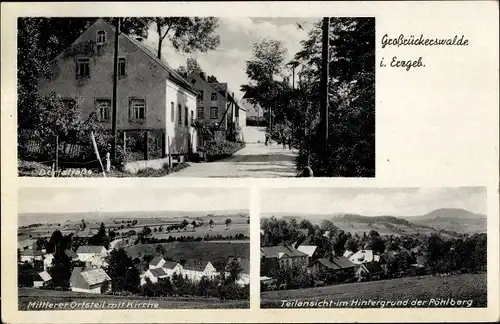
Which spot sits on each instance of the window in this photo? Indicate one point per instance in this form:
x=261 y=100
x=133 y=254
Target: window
x=69 y=103
x=121 y=66
x=200 y=113
x=192 y=117
x=214 y=96
x=82 y=67
x=137 y=109
x=179 y=117
x=214 y=113
x=103 y=107
x=200 y=95
x=172 y=111
x=101 y=37
x=186 y=116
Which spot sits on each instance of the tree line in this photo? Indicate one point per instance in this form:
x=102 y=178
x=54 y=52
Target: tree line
x=294 y=110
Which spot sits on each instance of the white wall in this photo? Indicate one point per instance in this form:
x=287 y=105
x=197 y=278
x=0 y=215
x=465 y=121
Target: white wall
x=179 y=135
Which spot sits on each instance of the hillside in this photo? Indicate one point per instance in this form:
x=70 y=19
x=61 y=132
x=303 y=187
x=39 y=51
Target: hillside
x=447 y=220
x=452 y=219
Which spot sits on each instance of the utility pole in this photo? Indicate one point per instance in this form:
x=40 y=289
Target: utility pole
x=115 y=83
x=324 y=86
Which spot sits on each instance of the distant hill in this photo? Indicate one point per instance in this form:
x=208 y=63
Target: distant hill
x=452 y=219
x=447 y=221
x=31 y=218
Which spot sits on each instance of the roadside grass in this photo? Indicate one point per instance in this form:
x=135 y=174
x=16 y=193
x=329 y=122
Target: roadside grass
x=459 y=287
x=37 y=169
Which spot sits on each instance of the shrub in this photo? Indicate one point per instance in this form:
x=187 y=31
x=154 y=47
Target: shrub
x=216 y=150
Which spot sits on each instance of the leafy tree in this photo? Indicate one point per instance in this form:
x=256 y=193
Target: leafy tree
x=234 y=268
x=350 y=151
x=193 y=223
x=184 y=223
x=351 y=245
x=228 y=222
x=123 y=273
x=160 y=249
x=187 y=34
x=61 y=269
x=211 y=223
x=40 y=243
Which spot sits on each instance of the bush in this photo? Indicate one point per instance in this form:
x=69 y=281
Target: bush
x=216 y=150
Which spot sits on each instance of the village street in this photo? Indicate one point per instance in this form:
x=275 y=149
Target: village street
x=255 y=160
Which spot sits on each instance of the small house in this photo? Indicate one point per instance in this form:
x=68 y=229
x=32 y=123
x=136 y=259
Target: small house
x=92 y=281
x=153 y=274
x=310 y=250
x=195 y=270
x=41 y=279
x=371 y=271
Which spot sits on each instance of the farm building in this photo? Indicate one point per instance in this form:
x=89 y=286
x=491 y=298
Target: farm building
x=310 y=250
x=31 y=255
x=348 y=253
x=152 y=96
x=335 y=264
x=153 y=275
x=93 y=281
x=41 y=279
x=281 y=256
x=86 y=252
x=364 y=256
x=370 y=270
x=195 y=270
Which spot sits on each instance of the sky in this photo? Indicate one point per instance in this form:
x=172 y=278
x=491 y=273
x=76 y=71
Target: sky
x=75 y=200
x=237 y=35
x=372 y=202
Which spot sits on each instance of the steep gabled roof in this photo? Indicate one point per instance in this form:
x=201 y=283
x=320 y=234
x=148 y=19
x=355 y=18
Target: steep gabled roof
x=155 y=261
x=71 y=254
x=373 y=267
x=173 y=75
x=44 y=276
x=170 y=264
x=327 y=263
x=342 y=262
x=195 y=265
x=308 y=249
x=280 y=250
x=95 y=276
x=158 y=272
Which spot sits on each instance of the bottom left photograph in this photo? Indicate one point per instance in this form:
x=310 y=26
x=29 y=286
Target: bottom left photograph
x=126 y=248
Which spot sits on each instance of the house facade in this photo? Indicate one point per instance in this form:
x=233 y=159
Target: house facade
x=281 y=256
x=370 y=271
x=310 y=250
x=154 y=275
x=41 y=279
x=150 y=95
x=31 y=255
x=194 y=271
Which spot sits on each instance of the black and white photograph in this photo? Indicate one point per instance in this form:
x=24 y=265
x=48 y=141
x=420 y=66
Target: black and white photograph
x=207 y=97
x=129 y=248
x=373 y=248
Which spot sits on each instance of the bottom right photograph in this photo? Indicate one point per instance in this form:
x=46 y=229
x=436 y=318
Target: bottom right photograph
x=373 y=247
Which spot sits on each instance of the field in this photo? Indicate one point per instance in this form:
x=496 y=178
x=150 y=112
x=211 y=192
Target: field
x=459 y=287
x=213 y=252
x=205 y=229
x=27 y=295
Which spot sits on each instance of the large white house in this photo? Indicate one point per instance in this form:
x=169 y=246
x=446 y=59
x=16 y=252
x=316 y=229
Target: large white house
x=364 y=256
x=150 y=94
x=195 y=270
x=86 y=252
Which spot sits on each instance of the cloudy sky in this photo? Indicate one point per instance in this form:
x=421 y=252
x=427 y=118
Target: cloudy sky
x=237 y=35
x=75 y=200
x=372 y=202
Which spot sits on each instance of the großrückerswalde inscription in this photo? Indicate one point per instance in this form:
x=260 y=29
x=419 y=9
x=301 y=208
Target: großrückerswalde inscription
x=412 y=40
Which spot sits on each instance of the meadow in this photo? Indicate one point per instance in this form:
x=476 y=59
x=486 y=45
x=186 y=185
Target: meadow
x=460 y=287
x=27 y=295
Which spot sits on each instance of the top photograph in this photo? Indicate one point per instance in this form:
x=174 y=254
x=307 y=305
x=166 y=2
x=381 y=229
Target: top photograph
x=196 y=97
